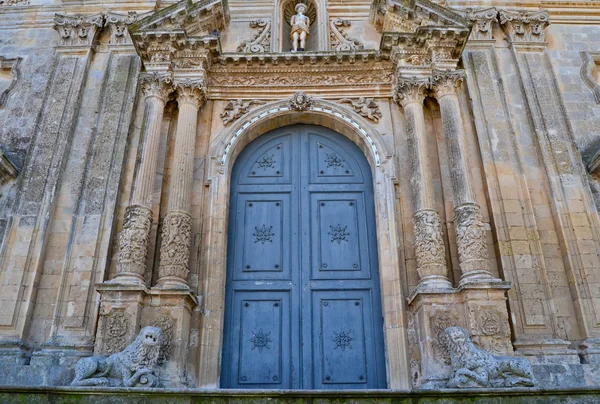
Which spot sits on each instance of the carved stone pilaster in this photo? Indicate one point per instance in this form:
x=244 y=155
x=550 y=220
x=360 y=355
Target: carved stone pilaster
x=156 y=85
x=471 y=240
x=429 y=246
x=482 y=23
x=175 y=246
x=409 y=90
x=444 y=82
x=118 y=24
x=524 y=26
x=133 y=242
x=78 y=29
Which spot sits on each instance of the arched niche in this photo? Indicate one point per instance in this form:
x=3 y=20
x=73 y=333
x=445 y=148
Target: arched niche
x=317 y=12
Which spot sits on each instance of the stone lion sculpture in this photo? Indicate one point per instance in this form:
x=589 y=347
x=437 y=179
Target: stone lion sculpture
x=135 y=366
x=474 y=367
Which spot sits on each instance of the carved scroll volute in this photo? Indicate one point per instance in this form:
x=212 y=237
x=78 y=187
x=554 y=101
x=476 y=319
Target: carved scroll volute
x=482 y=23
x=118 y=24
x=78 y=29
x=524 y=26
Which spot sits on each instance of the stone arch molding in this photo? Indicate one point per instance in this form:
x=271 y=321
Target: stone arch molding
x=320 y=112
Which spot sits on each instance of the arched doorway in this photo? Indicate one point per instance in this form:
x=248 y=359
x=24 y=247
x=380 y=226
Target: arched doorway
x=303 y=306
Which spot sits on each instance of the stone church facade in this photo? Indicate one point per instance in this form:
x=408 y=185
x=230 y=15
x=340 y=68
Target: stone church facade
x=120 y=127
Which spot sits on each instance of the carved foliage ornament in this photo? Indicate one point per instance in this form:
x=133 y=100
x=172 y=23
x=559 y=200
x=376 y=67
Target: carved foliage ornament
x=78 y=29
x=235 y=109
x=134 y=239
x=191 y=92
x=445 y=82
x=482 y=22
x=339 y=39
x=410 y=90
x=116 y=331
x=118 y=24
x=365 y=107
x=300 y=102
x=524 y=26
x=470 y=237
x=156 y=85
x=175 y=245
x=429 y=244
x=261 y=42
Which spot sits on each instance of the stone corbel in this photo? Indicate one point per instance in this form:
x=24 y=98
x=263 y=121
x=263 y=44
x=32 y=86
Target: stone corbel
x=524 y=26
x=482 y=20
x=339 y=39
x=118 y=24
x=261 y=42
x=79 y=29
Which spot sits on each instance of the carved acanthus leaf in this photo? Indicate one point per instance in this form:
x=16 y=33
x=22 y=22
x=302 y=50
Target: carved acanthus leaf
x=191 y=91
x=156 y=84
x=365 y=107
x=524 y=26
x=411 y=89
x=235 y=109
x=444 y=82
x=78 y=29
x=261 y=42
x=339 y=39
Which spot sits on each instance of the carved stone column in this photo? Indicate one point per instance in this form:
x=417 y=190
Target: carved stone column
x=429 y=245
x=177 y=225
x=471 y=238
x=133 y=244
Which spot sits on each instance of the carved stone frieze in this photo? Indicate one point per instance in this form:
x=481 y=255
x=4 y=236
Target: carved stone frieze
x=438 y=323
x=234 y=109
x=78 y=29
x=365 y=107
x=191 y=91
x=133 y=241
x=470 y=238
x=300 y=102
x=261 y=42
x=175 y=245
x=429 y=244
x=156 y=85
x=524 y=26
x=411 y=89
x=118 y=24
x=167 y=325
x=444 y=82
x=339 y=39
x=474 y=367
x=482 y=20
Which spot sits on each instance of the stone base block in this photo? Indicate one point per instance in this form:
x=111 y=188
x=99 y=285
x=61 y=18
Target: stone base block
x=547 y=351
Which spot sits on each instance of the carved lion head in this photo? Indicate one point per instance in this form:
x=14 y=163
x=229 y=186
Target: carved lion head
x=456 y=336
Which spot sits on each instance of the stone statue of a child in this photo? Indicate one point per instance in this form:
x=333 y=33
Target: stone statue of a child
x=300 y=28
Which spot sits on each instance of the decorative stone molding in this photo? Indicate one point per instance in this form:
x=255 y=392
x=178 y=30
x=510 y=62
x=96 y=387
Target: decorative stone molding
x=482 y=20
x=78 y=29
x=118 y=24
x=300 y=102
x=471 y=239
x=365 y=107
x=590 y=61
x=135 y=366
x=133 y=241
x=339 y=39
x=524 y=26
x=261 y=42
x=12 y=67
x=474 y=367
x=175 y=245
x=191 y=91
x=235 y=109
x=411 y=89
x=429 y=245
x=444 y=82
x=156 y=85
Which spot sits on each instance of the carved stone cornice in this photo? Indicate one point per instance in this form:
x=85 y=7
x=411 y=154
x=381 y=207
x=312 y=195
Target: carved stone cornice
x=118 y=24
x=411 y=89
x=191 y=91
x=78 y=29
x=524 y=26
x=158 y=85
x=482 y=20
x=445 y=82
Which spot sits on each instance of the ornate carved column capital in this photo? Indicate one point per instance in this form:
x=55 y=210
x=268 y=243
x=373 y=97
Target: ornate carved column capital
x=78 y=29
x=155 y=84
x=524 y=26
x=191 y=92
x=482 y=20
x=471 y=241
x=445 y=82
x=175 y=248
x=133 y=243
x=411 y=89
x=118 y=24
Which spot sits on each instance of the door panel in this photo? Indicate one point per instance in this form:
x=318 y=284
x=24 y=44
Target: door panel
x=303 y=307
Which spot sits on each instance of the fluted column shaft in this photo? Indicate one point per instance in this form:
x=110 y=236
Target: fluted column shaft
x=135 y=235
x=177 y=225
x=429 y=245
x=470 y=232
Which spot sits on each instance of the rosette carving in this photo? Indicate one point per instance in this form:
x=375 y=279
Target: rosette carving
x=176 y=244
x=134 y=239
x=156 y=85
x=471 y=239
x=411 y=89
x=444 y=82
x=429 y=244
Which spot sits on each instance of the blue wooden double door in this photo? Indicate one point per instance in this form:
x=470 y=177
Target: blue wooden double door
x=303 y=306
